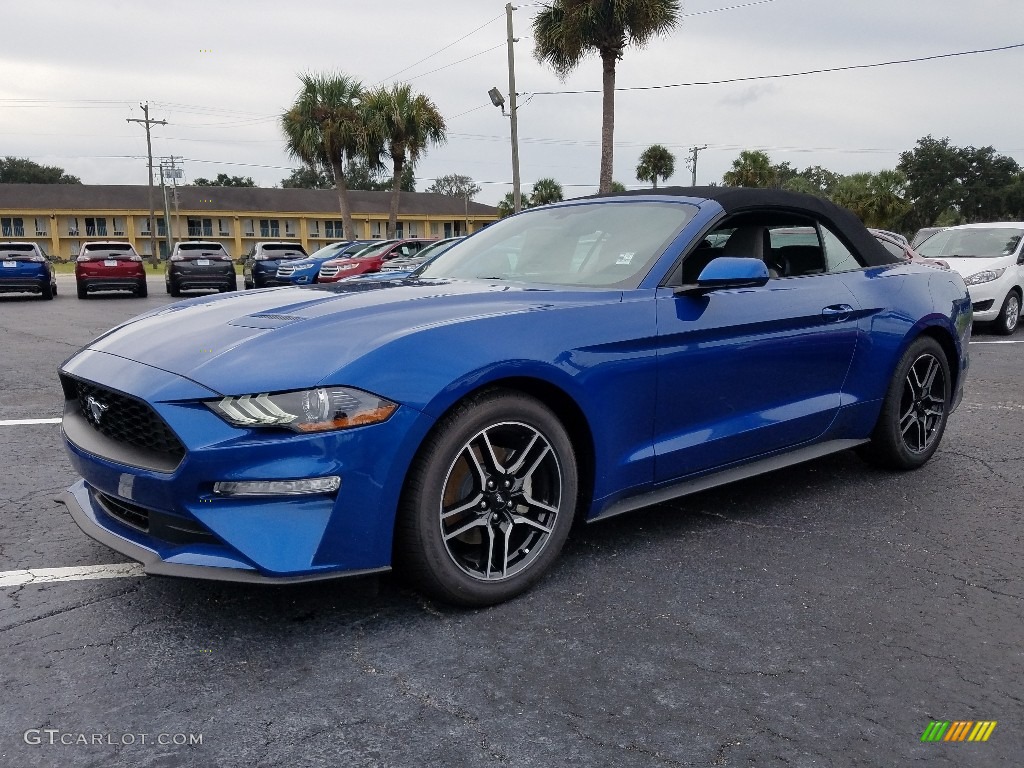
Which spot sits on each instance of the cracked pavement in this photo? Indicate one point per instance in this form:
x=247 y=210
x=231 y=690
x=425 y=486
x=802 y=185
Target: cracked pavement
x=818 y=616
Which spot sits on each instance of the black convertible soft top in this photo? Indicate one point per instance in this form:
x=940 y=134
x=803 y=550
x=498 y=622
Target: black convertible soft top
x=740 y=199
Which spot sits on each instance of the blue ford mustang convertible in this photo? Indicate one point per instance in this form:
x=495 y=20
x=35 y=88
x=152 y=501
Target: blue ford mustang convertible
x=575 y=361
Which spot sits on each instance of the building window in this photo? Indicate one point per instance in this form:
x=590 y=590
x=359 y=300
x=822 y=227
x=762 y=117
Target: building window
x=434 y=229
x=398 y=230
x=161 y=228
x=249 y=232
x=40 y=227
x=447 y=229
x=223 y=228
x=289 y=228
x=73 y=226
x=95 y=227
x=200 y=227
x=12 y=227
x=334 y=229
x=412 y=229
x=377 y=231
x=314 y=228
x=270 y=228
x=118 y=225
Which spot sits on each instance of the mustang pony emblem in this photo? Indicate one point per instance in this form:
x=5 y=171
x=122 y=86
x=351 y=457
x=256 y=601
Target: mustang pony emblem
x=96 y=408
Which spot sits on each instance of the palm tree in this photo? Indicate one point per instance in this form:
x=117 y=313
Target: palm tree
x=507 y=205
x=324 y=129
x=545 y=191
x=656 y=162
x=400 y=124
x=751 y=169
x=566 y=31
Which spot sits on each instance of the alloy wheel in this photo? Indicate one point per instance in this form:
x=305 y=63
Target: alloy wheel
x=500 y=500
x=923 y=403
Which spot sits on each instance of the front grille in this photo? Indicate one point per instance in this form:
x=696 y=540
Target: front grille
x=329 y=271
x=130 y=514
x=285 y=271
x=982 y=306
x=124 y=418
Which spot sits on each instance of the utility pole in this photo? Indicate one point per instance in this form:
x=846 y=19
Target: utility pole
x=692 y=162
x=175 y=175
x=517 y=200
x=167 y=211
x=149 y=151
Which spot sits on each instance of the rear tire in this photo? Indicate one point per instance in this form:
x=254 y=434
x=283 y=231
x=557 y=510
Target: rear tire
x=83 y=292
x=47 y=291
x=914 y=411
x=142 y=291
x=175 y=289
x=1009 y=315
x=489 y=501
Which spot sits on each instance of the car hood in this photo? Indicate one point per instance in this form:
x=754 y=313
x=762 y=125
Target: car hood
x=969 y=266
x=296 y=337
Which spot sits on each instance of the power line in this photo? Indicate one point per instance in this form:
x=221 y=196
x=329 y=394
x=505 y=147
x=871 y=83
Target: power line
x=790 y=74
x=446 y=66
x=443 y=49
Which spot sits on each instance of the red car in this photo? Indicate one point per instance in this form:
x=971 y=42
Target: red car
x=369 y=260
x=110 y=266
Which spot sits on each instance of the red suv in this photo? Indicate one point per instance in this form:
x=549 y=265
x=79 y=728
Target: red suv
x=110 y=266
x=369 y=259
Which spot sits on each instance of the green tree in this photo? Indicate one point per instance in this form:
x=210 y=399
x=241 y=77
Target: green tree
x=223 y=180
x=751 y=169
x=566 y=31
x=656 y=162
x=360 y=175
x=324 y=128
x=507 y=206
x=455 y=185
x=401 y=125
x=987 y=185
x=545 y=191
x=617 y=186
x=21 y=170
x=308 y=177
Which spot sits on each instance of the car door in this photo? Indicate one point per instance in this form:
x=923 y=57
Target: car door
x=749 y=371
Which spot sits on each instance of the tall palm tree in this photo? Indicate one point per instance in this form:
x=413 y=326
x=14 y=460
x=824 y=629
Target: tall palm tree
x=401 y=125
x=751 y=169
x=567 y=31
x=545 y=191
x=656 y=162
x=324 y=128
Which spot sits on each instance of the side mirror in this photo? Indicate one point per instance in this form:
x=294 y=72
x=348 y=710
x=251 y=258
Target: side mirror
x=727 y=272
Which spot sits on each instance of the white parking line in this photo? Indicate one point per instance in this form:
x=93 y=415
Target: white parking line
x=1007 y=341
x=78 y=573
x=19 y=422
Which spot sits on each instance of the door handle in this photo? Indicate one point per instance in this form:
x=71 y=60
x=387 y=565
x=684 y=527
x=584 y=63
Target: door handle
x=837 y=312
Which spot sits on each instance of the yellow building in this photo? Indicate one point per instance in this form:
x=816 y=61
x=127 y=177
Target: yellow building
x=60 y=217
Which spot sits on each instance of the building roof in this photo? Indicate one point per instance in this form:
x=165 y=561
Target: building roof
x=122 y=197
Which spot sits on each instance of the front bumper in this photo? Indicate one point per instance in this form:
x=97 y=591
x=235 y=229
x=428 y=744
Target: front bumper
x=186 y=529
x=987 y=298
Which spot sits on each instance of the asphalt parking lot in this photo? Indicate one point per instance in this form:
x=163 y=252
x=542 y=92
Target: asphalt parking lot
x=817 y=616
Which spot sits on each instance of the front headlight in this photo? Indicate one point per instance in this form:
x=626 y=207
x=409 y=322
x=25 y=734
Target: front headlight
x=307 y=410
x=348 y=266
x=986 y=276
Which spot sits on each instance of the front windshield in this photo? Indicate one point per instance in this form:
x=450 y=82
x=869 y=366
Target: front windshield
x=972 y=243
x=600 y=243
x=371 y=250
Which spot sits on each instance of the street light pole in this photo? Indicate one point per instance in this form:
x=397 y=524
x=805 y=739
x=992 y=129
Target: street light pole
x=517 y=200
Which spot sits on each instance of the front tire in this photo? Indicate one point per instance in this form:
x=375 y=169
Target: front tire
x=1009 y=315
x=915 y=409
x=489 y=501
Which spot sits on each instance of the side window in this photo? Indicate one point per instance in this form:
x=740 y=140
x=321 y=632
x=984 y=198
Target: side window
x=837 y=256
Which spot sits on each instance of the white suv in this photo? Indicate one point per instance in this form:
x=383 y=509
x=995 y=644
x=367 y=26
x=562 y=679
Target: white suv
x=990 y=258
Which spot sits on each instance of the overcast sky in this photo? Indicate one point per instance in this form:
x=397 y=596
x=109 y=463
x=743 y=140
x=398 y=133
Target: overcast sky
x=221 y=71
